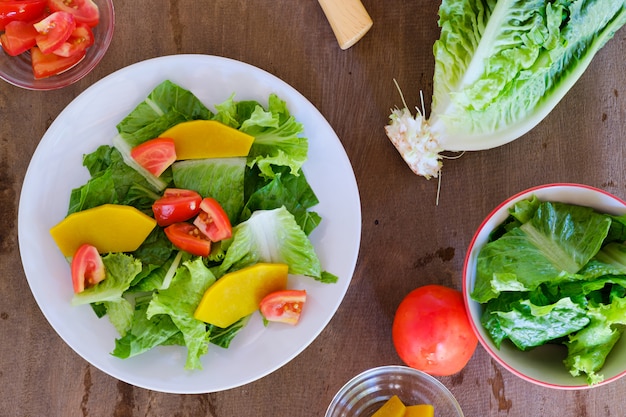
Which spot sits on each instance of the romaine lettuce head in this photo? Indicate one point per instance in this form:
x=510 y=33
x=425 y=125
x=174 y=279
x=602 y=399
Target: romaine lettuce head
x=500 y=68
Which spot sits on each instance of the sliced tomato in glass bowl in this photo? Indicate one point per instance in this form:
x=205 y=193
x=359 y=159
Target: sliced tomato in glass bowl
x=46 y=65
x=213 y=221
x=87 y=268
x=18 y=37
x=176 y=205
x=54 y=30
x=78 y=42
x=155 y=155
x=187 y=237
x=283 y=306
x=24 y=10
x=84 y=11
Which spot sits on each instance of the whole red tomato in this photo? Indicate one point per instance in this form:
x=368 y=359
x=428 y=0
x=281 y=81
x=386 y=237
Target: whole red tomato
x=431 y=331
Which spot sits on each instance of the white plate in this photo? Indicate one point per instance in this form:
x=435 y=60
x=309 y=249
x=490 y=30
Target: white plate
x=56 y=168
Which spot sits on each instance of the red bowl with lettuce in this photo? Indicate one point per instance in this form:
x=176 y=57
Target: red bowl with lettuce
x=544 y=283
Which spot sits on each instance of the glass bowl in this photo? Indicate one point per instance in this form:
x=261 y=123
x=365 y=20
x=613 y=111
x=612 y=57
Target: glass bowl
x=364 y=394
x=542 y=365
x=17 y=70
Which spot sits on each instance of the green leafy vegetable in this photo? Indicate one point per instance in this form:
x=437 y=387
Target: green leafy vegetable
x=555 y=274
x=500 y=68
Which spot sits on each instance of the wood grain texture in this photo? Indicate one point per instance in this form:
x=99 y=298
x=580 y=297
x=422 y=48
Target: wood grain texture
x=407 y=240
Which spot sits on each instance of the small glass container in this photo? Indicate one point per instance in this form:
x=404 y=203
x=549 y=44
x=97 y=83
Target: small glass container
x=368 y=391
x=17 y=70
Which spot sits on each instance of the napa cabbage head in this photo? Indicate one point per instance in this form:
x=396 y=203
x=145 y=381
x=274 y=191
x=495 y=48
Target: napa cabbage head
x=500 y=68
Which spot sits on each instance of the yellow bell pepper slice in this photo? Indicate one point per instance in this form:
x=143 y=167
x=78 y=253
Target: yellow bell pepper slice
x=238 y=294
x=200 y=139
x=109 y=227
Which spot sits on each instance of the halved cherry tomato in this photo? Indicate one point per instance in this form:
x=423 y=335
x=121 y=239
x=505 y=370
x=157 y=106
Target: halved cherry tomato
x=213 y=221
x=45 y=65
x=87 y=268
x=187 y=237
x=84 y=11
x=78 y=42
x=155 y=155
x=283 y=306
x=24 y=10
x=54 y=30
x=18 y=37
x=176 y=206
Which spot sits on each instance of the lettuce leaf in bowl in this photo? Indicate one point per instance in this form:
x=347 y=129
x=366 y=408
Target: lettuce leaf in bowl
x=555 y=274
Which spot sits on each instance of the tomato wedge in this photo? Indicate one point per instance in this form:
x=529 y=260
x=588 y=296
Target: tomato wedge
x=84 y=11
x=176 y=206
x=45 y=65
x=78 y=42
x=87 y=268
x=24 y=10
x=187 y=237
x=155 y=155
x=54 y=30
x=283 y=306
x=18 y=37
x=213 y=221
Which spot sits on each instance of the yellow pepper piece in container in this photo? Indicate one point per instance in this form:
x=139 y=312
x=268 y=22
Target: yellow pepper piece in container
x=109 y=227
x=420 y=410
x=238 y=294
x=200 y=139
x=393 y=407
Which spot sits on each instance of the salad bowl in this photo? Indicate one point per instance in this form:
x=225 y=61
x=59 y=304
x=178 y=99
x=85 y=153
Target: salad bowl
x=542 y=365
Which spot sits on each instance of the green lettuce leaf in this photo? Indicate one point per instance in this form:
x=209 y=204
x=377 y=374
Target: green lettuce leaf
x=552 y=246
x=285 y=189
x=277 y=138
x=271 y=236
x=219 y=178
x=588 y=348
x=112 y=181
x=179 y=301
x=121 y=269
x=145 y=334
x=167 y=105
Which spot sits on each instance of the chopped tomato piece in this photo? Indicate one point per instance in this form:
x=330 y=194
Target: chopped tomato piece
x=155 y=155
x=87 y=268
x=18 y=37
x=84 y=11
x=45 y=65
x=187 y=237
x=176 y=206
x=213 y=221
x=24 y=10
x=283 y=306
x=54 y=30
x=78 y=42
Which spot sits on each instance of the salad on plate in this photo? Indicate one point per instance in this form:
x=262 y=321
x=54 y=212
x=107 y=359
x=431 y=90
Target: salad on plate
x=244 y=213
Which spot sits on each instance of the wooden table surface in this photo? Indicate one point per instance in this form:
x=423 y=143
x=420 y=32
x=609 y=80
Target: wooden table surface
x=407 y=240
